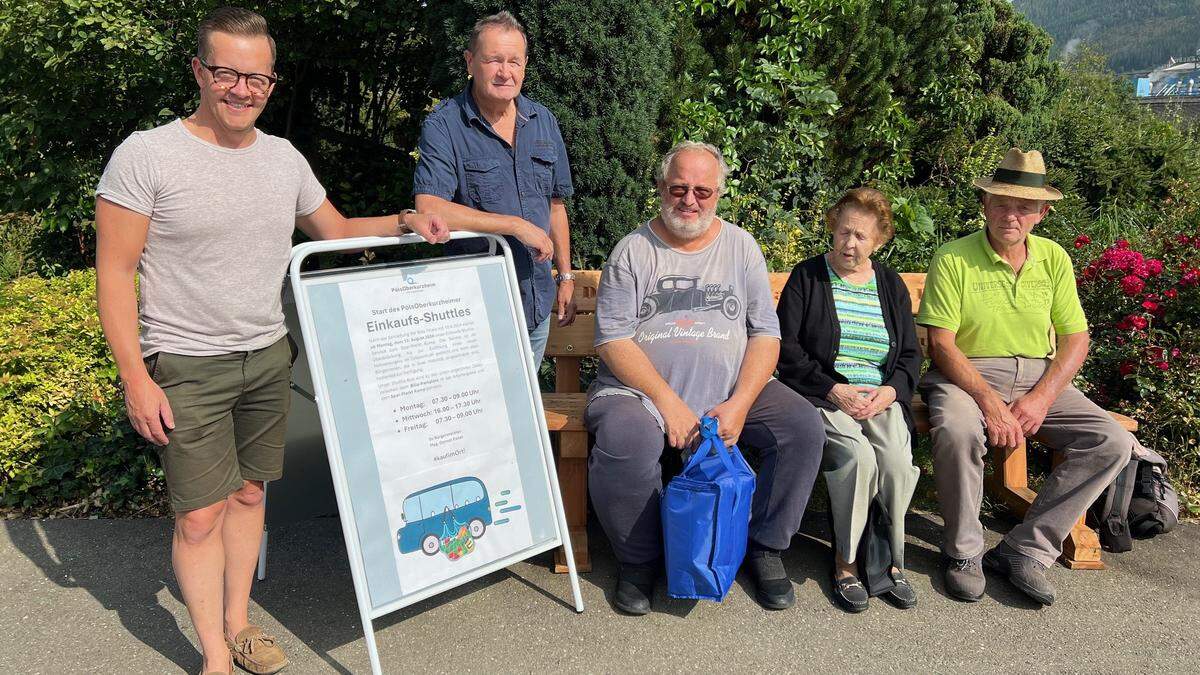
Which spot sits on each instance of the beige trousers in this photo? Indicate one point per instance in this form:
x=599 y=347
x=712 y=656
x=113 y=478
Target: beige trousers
x=865 y=458
x=1094 y=448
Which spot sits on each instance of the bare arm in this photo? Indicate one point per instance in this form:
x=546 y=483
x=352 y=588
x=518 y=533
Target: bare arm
x=459 y=217
x=1030 y=410
x=762 y=353
x=633 y=368
x=328 y=223
x=120 y=238
x=560 y=236
x=1003 y=428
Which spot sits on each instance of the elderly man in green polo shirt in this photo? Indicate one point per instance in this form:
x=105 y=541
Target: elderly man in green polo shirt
x=995 y=302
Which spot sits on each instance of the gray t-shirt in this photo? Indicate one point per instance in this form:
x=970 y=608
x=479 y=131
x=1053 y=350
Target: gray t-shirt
x=691 y=313
x=220 y=234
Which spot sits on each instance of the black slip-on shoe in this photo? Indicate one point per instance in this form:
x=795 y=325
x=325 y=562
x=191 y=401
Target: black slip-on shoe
x=902 y=595
x=772 y=587
x=635 y=586
x=850 y=594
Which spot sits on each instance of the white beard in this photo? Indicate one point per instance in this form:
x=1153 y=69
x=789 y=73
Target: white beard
x=687 y=230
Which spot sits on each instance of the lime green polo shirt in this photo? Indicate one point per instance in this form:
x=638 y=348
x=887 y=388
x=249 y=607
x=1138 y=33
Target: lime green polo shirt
x=972 y=291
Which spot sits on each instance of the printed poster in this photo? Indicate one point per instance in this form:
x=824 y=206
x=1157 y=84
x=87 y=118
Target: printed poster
x=438 y=422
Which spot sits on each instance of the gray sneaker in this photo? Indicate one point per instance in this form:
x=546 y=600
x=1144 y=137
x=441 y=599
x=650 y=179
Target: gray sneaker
x=1022 y=571
x=964 y=578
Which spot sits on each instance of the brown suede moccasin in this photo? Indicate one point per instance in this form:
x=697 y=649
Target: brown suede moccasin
x=256 y=652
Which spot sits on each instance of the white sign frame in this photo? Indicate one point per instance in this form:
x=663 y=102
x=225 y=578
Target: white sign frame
x=328 y=429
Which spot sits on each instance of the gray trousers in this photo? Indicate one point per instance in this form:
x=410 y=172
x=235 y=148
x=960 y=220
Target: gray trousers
x=865 y=459
x=1094 y=449
x=625 y=478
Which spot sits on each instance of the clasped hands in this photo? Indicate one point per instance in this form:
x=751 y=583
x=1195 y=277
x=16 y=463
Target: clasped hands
x=1009 y=424
x=861 y=402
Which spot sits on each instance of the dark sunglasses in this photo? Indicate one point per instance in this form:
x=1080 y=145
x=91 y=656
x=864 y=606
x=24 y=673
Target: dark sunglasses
x=702 y=193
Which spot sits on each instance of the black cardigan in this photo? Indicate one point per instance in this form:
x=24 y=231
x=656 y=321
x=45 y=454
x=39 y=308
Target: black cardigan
x=811 y=334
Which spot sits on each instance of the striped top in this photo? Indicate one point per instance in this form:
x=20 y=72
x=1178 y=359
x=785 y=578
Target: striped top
x=864 y=344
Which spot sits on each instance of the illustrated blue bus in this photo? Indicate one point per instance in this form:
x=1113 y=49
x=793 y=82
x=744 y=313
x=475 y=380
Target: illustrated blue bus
x=435 y=511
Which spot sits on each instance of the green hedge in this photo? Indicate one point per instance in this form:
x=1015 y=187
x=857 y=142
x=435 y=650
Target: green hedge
x=65 y=445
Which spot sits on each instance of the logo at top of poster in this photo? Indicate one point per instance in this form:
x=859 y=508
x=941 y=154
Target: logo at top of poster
x=448 y=518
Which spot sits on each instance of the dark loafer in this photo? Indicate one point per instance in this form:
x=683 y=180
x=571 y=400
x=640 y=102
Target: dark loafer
x=849 y=594
x=635 y=586
x=902 y=595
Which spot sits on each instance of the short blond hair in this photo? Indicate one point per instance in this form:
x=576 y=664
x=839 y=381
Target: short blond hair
x=868 y=200
x=232 y=21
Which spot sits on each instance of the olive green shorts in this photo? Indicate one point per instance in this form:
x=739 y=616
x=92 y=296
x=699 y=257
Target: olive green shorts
x=230 y=421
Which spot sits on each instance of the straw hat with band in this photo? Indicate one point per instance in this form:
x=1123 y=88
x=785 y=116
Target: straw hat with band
x=1021 y=174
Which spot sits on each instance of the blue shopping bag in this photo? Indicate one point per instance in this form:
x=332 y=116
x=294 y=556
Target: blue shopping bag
x=706 y=519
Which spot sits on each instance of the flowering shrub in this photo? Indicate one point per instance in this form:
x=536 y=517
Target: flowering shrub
x=1143 y=304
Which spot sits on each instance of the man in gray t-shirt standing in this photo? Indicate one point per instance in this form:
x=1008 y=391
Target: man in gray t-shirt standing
x=685 y=327
x=204 y=209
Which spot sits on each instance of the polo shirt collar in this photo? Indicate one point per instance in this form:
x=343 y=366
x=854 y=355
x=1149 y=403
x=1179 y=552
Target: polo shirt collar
x=525 y=110
x=1032 y=252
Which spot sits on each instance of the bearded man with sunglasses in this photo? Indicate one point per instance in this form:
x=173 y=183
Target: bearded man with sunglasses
x=204 y=209
x=686 y=326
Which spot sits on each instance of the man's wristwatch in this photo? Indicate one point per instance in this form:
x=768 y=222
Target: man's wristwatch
x=401 y=227
x=565 y=276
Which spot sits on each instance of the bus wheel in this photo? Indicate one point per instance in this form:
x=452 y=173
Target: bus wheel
x=476 y=527
x=430 y=544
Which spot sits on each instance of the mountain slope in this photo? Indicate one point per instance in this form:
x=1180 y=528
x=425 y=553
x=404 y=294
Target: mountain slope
x=1133 y=35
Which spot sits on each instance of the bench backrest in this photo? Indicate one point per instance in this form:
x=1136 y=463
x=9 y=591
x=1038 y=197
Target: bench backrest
x=569 y=345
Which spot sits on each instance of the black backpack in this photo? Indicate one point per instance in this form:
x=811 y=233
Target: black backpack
x=1139 y=504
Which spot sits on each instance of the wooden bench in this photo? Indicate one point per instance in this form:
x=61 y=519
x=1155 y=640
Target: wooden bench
x=569 y=346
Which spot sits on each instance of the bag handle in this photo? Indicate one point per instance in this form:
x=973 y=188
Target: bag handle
x=712 y=441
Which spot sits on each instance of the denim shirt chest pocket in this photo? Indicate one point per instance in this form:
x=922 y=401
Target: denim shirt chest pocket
x=543 y=158
x=483 y=181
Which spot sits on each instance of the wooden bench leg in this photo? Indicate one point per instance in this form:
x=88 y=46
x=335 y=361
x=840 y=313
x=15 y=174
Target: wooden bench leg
x=572 y=481
x=1009 y=483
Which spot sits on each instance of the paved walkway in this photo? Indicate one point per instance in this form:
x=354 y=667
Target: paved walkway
x=98 y=596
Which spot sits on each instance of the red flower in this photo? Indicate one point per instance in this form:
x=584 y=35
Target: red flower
x=1122 y=244
x=1132 y=285
x=1082 y=240
x=1175 y=352
x=1162 y=365
x=1139 y=322
x=1154 y=266
x=1126 y=368
x=1155 y=354
x=1150 y=306
x=1170 y=293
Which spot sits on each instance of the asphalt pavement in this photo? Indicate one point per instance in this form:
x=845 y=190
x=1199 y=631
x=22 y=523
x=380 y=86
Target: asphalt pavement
x=98 y=596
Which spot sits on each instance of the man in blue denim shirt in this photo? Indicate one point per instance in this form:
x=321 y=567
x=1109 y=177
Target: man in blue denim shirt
x=491 y=160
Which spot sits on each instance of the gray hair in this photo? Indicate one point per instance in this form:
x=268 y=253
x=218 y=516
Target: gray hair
x=664 y=167
x=502 y=19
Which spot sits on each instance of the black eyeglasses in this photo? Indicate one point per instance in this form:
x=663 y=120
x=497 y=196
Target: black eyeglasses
x=227 y=78
x=702 y=193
